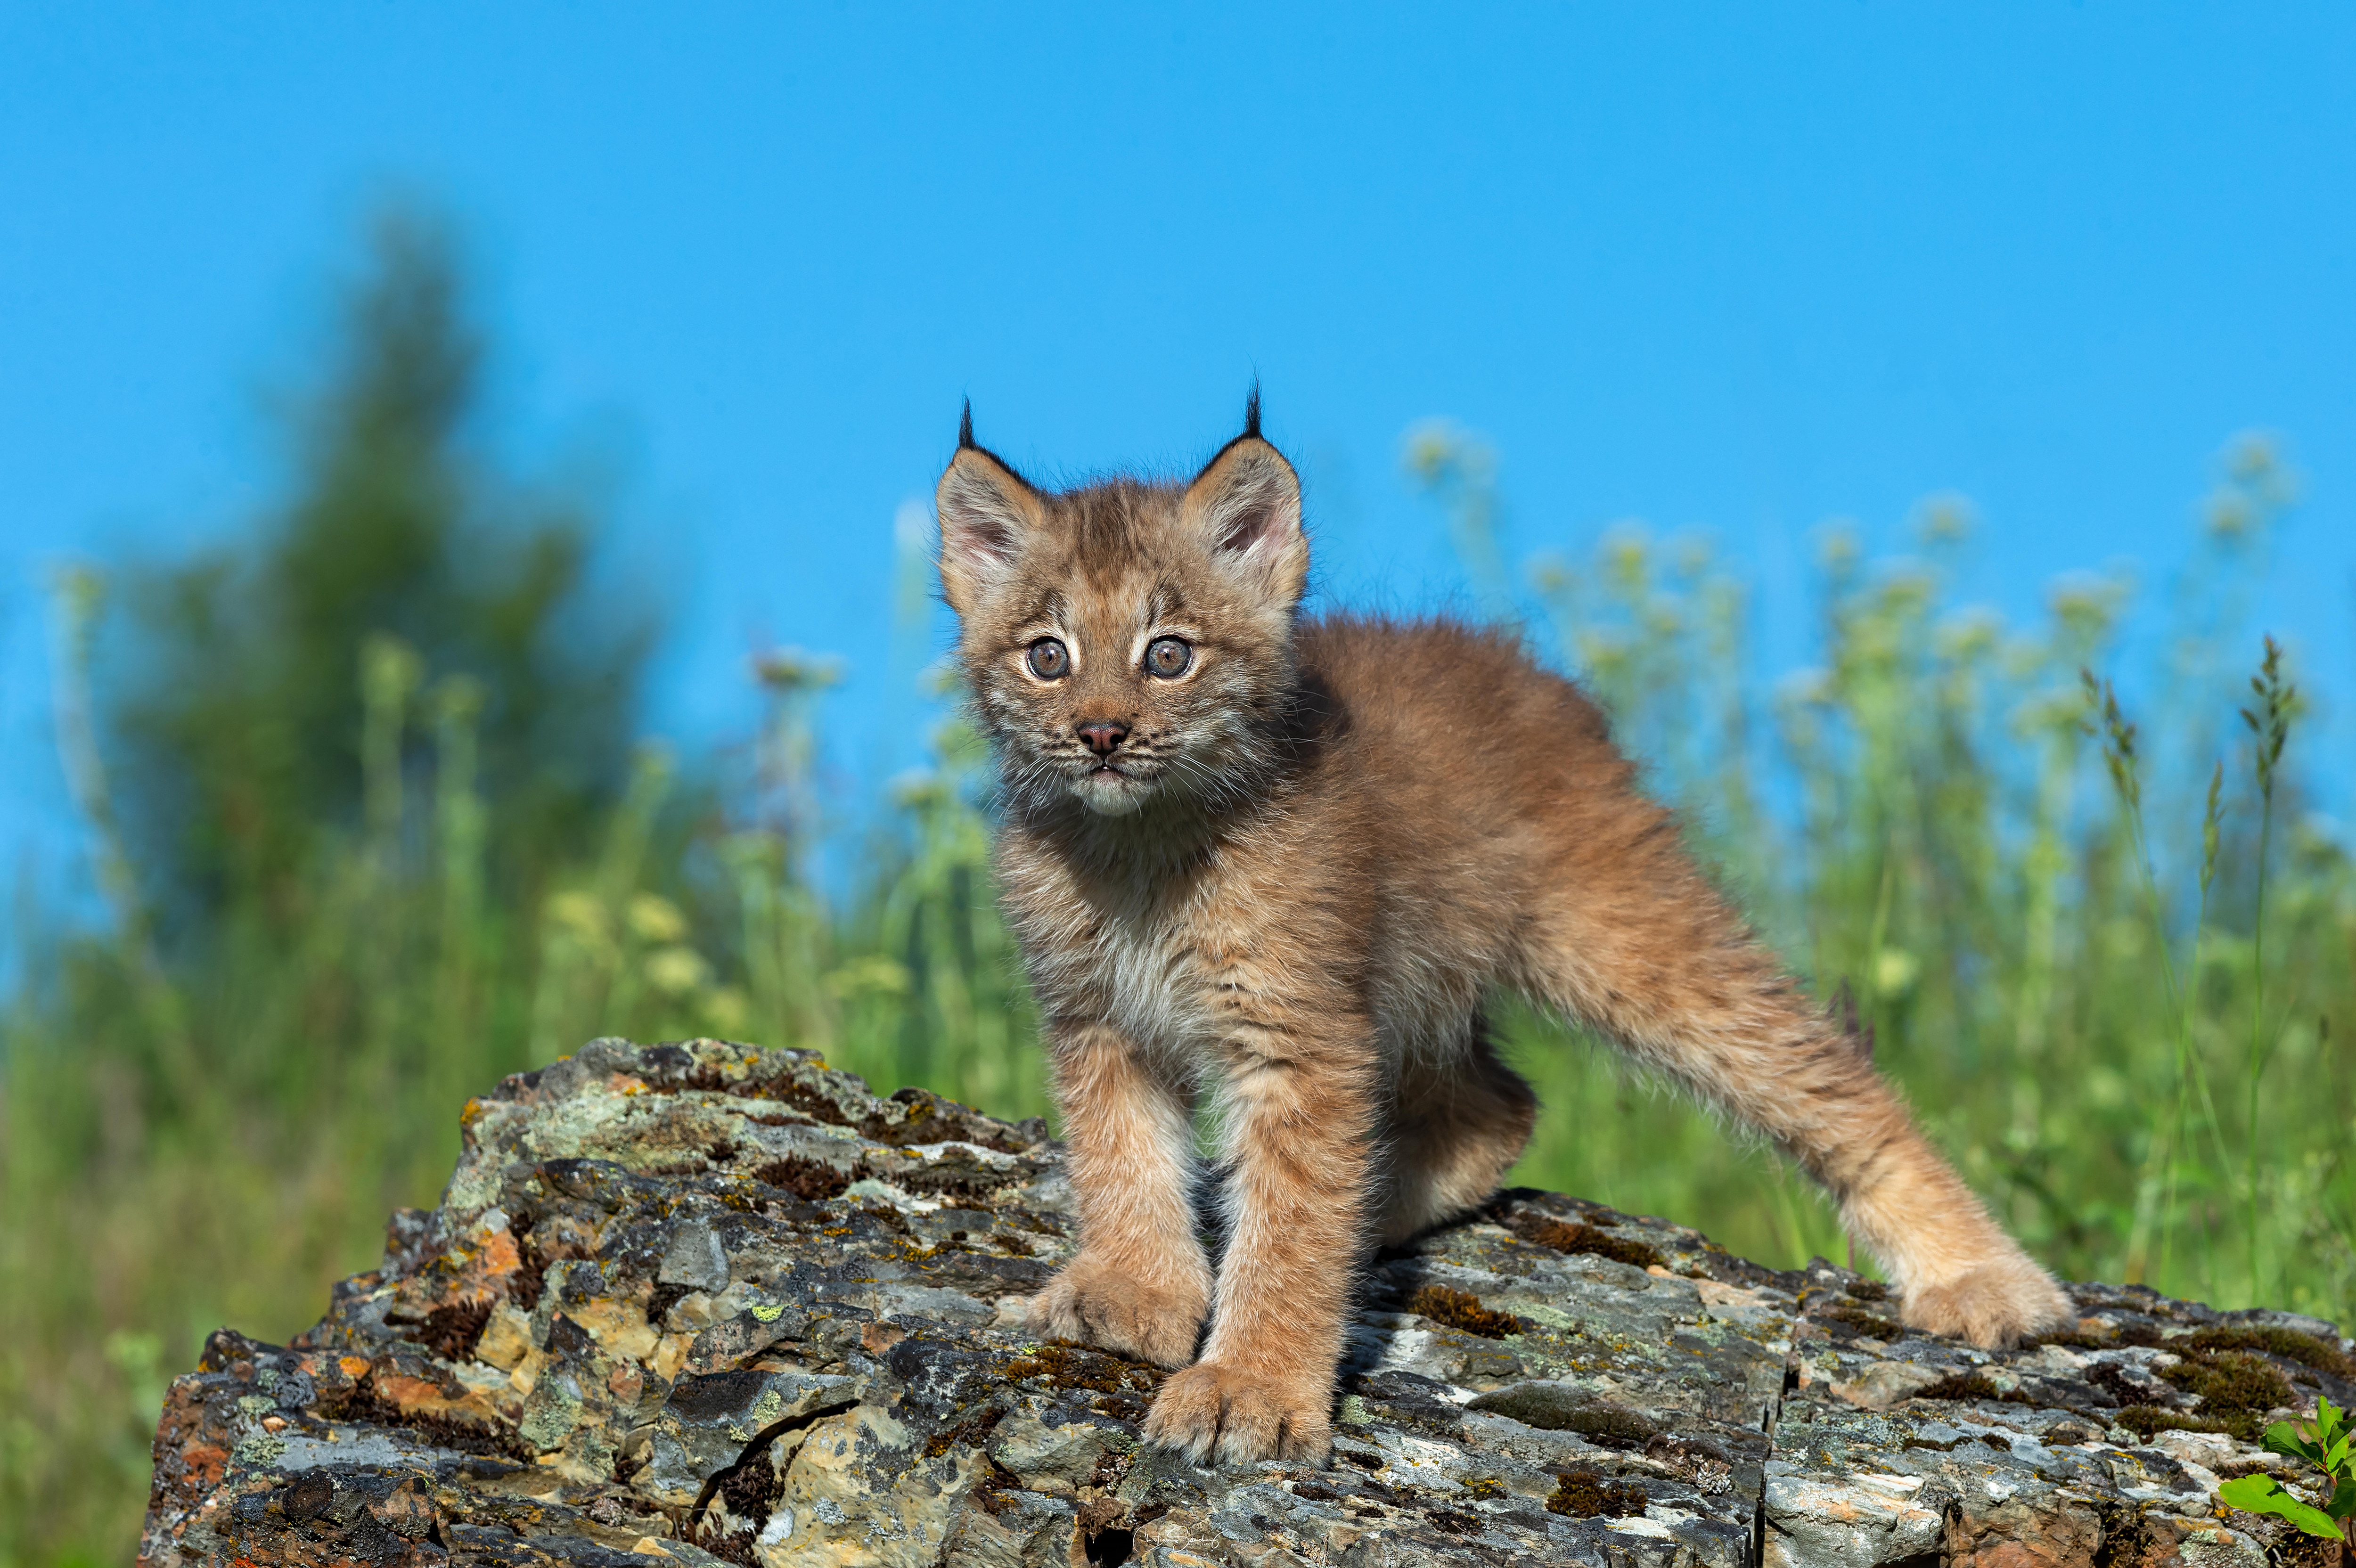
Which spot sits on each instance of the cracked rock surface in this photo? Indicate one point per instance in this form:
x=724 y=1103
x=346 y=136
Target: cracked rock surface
x=713 y=1304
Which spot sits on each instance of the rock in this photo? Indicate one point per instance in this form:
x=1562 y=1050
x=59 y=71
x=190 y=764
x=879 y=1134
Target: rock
x=694 y=1258
x=707 y=1304
x=1884 y=1384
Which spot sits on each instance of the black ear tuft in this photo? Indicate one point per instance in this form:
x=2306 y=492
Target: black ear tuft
x=1251 y=409
x=965 y=421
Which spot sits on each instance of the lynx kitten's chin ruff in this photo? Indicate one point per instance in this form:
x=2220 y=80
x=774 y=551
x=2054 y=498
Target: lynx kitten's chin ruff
x=1278 y=863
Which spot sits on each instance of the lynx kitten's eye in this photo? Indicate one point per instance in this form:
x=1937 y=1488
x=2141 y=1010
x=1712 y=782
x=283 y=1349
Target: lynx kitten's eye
x=1168 y=657
x=1049 y=660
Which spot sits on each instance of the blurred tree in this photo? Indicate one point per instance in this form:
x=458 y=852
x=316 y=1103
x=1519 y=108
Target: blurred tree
x=240 y=720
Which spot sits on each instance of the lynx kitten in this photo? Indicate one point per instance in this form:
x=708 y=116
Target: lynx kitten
x=1280 y=863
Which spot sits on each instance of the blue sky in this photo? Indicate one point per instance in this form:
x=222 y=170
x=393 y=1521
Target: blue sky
x=1742 y=267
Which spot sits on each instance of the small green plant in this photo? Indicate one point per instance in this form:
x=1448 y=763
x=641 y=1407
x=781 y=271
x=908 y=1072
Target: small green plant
x=2327 y=1444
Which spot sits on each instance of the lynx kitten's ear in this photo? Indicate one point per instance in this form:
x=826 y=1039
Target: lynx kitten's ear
x=986 y=511
x=1246 y=502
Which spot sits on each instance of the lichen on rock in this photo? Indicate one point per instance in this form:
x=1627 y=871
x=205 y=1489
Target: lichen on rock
x=709 y=1303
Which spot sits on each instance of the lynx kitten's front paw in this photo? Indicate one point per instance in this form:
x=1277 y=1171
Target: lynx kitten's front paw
x=1241 y=1416
x=1994 y=1305
x=1098 y=1303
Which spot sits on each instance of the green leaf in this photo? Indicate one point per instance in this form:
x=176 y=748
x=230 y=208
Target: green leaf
x=2284 y=1437
x=2258 y=1494
x=2343 y=1500
x=2330 y=1422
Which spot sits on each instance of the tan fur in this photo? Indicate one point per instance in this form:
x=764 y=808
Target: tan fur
x=1312 y=856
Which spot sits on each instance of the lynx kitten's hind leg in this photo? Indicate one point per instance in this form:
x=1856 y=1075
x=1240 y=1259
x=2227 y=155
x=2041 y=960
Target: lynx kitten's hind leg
x=1456 y=1127
x=1957 y=1270
x=1140 y=1284
x=1648 y=952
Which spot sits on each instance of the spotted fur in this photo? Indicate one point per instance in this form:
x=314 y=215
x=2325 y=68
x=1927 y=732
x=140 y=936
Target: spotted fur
x=1283 y=893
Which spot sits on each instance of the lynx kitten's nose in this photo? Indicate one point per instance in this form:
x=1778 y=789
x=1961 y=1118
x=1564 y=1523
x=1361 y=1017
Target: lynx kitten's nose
x=1102 y=737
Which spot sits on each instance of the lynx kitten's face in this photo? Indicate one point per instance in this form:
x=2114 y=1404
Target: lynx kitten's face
x=1125 y=642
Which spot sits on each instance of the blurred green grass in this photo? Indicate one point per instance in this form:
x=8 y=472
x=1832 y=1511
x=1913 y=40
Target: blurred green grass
x=374 y=830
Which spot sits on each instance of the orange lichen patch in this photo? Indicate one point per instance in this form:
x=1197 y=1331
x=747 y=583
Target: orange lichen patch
x=499 y=1256
x=454 y=1300
x=472 y=1112
x=412 y=1396
x=625 y=1084
x=415 y=1399
x=205 y=1463
x=453 y=1417
x=619 y=1325
x=352 y=1367
x=1461 y=1310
